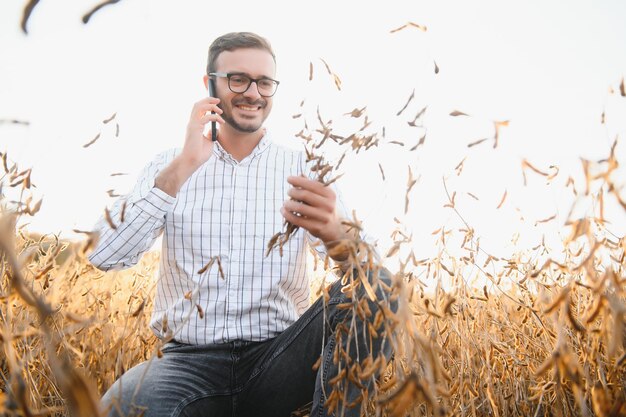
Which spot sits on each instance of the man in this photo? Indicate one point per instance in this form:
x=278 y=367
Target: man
x=242 y=338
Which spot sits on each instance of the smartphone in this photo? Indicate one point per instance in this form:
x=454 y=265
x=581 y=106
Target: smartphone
x=213 y=124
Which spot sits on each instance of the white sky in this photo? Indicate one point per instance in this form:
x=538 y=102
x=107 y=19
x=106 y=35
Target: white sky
x=545 y=66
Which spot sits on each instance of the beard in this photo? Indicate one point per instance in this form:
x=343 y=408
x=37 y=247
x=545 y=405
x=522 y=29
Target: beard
x=244 y=126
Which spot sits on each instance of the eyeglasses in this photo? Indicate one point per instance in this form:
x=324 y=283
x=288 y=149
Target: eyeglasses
x=239 y=83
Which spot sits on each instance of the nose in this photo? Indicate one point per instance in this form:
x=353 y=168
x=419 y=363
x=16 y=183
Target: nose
x=252 y=91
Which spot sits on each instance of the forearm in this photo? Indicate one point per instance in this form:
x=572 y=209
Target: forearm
x=172 y=177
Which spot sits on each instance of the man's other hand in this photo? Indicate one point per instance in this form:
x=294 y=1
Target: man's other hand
x=312 y=207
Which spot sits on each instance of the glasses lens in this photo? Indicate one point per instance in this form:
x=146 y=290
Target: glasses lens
x=266 y=86
x=238 y=83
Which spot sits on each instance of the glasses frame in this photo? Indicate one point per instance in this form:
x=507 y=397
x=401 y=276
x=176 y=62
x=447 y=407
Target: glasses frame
x=252 y=80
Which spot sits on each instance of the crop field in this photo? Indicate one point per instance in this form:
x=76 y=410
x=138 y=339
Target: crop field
x=546 y=334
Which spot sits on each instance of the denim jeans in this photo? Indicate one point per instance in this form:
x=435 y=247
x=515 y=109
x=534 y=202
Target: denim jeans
x=242 y=378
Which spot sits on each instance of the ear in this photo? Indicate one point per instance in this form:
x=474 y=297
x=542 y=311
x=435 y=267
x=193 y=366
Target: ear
x=206 y=81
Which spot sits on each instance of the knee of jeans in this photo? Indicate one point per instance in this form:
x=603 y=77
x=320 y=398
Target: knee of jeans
x=116 y=402
x=110 y=405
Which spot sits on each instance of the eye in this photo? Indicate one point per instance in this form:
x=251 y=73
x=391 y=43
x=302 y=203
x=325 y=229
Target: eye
x=266 y=83
x=238 y=80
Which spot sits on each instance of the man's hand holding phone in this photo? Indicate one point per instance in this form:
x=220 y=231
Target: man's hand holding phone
x=196 y=150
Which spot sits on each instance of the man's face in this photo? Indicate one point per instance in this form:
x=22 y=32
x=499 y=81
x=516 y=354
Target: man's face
x=246 y=111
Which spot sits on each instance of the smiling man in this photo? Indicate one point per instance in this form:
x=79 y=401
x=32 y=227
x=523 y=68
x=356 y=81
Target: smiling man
x=241 y=337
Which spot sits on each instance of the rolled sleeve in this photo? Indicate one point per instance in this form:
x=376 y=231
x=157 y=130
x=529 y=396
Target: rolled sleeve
x=139 y=218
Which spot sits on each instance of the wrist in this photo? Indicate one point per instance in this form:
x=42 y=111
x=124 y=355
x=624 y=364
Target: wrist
x=338 y=249
x=338 y=246
x=186 y=164
x=343 y=253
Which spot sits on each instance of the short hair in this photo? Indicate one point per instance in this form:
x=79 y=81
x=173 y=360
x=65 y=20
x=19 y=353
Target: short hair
x=236 y=40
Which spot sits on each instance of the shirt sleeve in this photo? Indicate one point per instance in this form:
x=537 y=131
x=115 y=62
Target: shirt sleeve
x=139 y=218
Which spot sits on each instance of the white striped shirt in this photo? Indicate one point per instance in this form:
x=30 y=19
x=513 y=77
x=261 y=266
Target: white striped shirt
x=228 y=209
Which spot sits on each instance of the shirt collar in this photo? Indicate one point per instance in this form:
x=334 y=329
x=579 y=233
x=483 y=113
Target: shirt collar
x=258 y=149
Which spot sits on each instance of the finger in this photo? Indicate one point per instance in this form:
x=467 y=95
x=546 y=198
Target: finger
x=305 y=210
x=210 y=117
x=210 y=108
x=311 y=185
x=211 y=100
x=209 y=103
x=206 y=105
x=327 y=232
x=311 y=199
x=304 y=222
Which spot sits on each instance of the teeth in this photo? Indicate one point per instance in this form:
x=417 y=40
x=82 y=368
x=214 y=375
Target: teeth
x=249 y=108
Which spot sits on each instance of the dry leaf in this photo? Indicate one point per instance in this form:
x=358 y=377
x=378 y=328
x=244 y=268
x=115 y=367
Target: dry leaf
x=526 y=164
x=502 y=199
x=393 y=250
x=398 y=29
x=338 y=164
x=420 y=27
x=419 y=143
x=405 y=397
x=327 y=67
x=497 y=126
x=554 y=174
x=139 y=309
x=545 y=220
x=478 y=142
x=451 y=202
x=411 y=97
x=417 y=116
x=92 y=141
x=28 y=10
x=109 y=220
x=337 y=81
x=219 y=268
x=123 y=211
x=87 y=16
x=207 y=266
x=356 y=112
x=459 y=167
x=415 y=25
x=105 y=121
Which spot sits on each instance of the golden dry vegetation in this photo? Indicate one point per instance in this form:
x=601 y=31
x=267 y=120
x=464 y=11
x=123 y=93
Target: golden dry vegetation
x=544 y=337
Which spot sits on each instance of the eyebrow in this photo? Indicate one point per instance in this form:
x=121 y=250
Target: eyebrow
x=249 y=76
